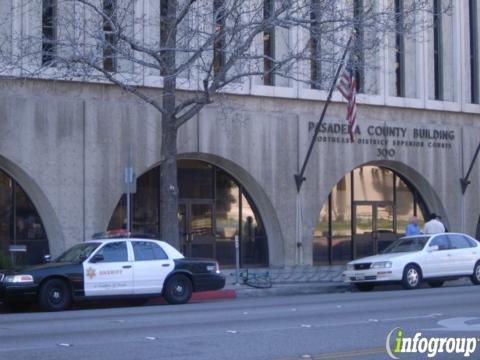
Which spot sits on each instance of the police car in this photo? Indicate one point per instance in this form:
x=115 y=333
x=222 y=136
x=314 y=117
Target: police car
x=136 y=268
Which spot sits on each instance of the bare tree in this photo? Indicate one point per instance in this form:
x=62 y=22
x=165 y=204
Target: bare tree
x=201 y=47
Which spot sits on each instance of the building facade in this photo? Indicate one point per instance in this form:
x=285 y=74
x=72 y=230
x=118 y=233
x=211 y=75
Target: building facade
x=64 y=146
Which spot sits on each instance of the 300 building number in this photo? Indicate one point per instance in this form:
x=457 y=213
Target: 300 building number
x=384 y=153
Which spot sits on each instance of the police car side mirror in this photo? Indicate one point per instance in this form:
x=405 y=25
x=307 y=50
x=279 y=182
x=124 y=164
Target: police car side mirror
x=432 y=248
x=96 y=258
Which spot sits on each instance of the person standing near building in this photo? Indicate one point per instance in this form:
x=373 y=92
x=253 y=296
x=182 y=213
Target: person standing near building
x=412 y=227
x=248 y=235
x=433 y=226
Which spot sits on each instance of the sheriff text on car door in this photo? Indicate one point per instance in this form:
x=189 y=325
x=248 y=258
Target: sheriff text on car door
x=109 y=271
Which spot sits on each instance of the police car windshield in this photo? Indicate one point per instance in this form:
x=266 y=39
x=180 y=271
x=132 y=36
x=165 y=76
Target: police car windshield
x=77 y=252
x=407 y=244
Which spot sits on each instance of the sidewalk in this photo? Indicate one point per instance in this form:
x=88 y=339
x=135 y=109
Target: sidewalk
x=285 y=281
x=290 y=281
x=295 y=281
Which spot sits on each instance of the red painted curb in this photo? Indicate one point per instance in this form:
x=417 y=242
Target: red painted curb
x=201 y=296
x=215 y=294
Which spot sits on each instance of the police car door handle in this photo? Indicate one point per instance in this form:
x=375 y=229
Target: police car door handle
x=166 y=265
x=127 y=266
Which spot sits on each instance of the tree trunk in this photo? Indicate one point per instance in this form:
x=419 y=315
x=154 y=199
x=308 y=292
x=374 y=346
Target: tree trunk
x=168 y=156
x=168 y=184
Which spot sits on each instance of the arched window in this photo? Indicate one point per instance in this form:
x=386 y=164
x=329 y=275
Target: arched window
x=365 y=211
x=214 y=208
x=22 y=236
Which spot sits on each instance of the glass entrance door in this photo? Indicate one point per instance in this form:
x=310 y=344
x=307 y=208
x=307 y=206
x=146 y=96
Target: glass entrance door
x=384 y=226
x=363 y=239
x=196 y=228
x=373 y=227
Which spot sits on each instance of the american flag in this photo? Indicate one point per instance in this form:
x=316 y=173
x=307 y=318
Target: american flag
x=348 y=88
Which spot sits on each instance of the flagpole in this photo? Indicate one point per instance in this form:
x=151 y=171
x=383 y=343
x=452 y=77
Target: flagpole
x=464 y=182
x=299 y=178
x=299 y=247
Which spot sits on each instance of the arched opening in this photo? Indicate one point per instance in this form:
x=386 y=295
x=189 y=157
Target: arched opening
x=23 y=240
x=367 y=209
x=214 y=208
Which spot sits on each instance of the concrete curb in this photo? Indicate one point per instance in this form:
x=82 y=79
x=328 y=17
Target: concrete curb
x=291 y=289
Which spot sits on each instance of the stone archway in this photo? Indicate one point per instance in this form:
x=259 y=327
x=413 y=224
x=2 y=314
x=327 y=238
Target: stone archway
x=261 y=200
x=429 y=195
x=368 y=208
x=255 y=196
x=40 y=202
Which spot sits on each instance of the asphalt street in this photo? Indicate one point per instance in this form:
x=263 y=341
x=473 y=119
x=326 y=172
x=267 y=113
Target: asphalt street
x=328 y=326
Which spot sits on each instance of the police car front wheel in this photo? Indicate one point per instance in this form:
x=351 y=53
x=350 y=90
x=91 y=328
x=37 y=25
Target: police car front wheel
x=55 y=295
x=178 y=289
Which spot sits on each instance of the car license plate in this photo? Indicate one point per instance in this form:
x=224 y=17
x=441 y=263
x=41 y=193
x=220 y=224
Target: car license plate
x=359 y=277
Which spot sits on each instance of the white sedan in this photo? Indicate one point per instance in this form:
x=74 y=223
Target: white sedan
x=412 y=259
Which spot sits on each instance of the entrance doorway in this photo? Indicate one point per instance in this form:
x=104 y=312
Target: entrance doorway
x=21 y=227
x=373 y=227
x=213 y=210
x=196 y=228
x=366 y=210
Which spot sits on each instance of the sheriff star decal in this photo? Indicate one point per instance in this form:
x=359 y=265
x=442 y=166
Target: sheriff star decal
x=91 y=273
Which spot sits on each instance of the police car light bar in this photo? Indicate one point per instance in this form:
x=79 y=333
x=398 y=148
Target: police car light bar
x=121 y=233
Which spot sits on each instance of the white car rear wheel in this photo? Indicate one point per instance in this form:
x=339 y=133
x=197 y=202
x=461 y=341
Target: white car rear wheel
x=476 y=274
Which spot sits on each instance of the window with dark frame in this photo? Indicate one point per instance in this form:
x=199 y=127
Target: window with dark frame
x=399 y=49
x=110 y=38
x=219 y=43
x=49 y=31
x=474 y=71
x=268 y=43
x=358 y=55
x=437 y=50
x=315 y=45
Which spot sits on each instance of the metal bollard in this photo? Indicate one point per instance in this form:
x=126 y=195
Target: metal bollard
x=237 y=259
